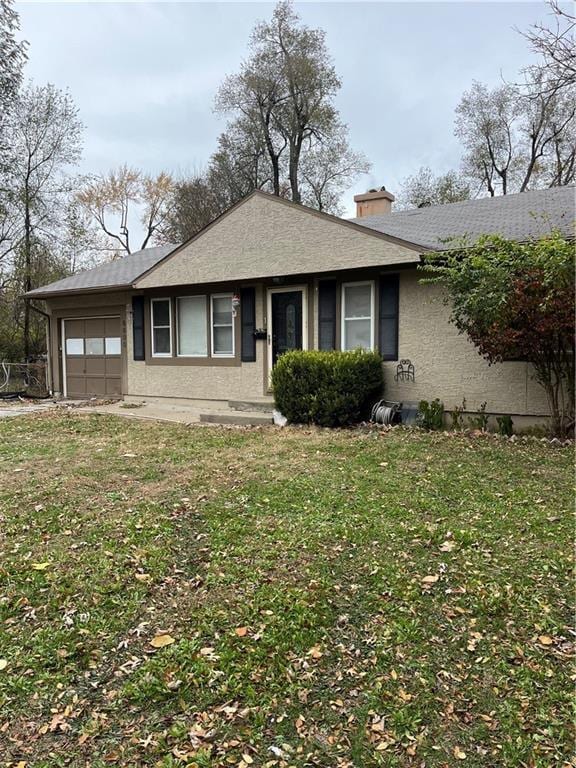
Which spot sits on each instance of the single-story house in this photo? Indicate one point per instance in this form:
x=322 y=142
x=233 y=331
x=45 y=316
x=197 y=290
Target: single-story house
x=206 y=320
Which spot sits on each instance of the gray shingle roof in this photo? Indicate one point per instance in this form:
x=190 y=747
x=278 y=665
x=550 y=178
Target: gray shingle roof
x=113 y=274
x=518 y=217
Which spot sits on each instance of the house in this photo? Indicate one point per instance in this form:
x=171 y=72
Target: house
x=206 y=320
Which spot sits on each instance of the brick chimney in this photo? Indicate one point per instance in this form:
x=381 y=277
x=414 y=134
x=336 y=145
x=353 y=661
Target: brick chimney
x=373 y=202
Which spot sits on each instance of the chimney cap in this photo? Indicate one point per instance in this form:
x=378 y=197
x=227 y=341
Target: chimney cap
x=374 y=194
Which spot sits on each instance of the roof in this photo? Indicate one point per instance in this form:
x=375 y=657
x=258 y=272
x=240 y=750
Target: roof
x=520 y=217
x=120 y=273
x=517 y=217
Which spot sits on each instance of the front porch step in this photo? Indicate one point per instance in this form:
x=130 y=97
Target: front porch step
x=248 y=418
x=264 y=404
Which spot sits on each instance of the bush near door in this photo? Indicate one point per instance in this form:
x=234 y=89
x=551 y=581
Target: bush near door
x=330 y=389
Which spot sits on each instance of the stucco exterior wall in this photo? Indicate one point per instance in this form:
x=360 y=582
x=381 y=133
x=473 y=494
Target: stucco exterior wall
x=264 y=237
x=448 y=366
x=205 y=382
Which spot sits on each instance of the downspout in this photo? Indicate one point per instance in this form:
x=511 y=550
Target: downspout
x=48 y=317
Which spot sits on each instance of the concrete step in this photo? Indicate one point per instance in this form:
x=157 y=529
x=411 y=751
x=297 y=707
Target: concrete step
x=264 y=404
x=247 y=418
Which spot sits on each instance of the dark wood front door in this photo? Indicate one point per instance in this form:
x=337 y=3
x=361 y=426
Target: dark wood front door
x=286 y=322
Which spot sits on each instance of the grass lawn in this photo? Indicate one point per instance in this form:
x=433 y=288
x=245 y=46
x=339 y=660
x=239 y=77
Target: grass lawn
x=175 y=596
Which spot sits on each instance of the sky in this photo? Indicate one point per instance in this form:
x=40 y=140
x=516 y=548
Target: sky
x=144 y=75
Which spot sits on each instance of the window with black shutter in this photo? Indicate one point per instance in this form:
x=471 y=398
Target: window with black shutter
x=138 y=327
x=388 y=327
x=248 y=313
x=327 y=314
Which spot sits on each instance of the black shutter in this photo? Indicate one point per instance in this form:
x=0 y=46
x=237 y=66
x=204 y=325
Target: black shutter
x=327 y=314
x=248 y=313
x=389 y=304
x=138 y=327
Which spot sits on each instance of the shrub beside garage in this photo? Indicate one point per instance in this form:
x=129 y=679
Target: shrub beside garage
x=331 y=389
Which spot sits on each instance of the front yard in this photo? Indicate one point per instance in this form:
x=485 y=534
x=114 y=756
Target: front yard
x=175 y=596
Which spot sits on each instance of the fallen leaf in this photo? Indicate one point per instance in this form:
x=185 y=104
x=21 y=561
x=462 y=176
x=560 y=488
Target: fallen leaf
x=3 y=664
x=447 y=546
x=459 y=754
x=161 y=640
x=241 y=631
x=247 y=759
x=40 y=566
x=545 y=640
x=432 y=579
x=315 y=652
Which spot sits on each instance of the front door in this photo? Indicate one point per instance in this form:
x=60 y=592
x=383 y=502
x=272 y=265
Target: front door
x=286 y=322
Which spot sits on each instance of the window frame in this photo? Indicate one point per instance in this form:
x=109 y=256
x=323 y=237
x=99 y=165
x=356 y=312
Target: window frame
x=152 y=326
x=213 y=353
x=344 y=319
x=181 y=354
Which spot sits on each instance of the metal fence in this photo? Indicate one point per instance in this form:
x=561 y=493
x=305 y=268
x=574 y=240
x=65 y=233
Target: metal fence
x=23 y=380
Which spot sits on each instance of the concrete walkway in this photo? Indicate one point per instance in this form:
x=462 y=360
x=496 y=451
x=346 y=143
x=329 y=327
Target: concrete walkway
x=217 y=413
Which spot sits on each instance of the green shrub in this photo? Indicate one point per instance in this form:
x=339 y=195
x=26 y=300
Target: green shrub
x=481 y=421
x=505 y=425
x=430 y=415
x=331 y=389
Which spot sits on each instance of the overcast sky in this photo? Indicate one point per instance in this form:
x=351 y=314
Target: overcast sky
x=144 y=75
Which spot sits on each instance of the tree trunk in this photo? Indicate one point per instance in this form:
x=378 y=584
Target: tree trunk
x=295 y=150
x=27 y=273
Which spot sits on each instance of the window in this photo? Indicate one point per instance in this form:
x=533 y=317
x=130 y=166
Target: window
x=94 y=346
x=357 y=316
x=74 y=346
x=113 y=345
x=161 y=328
x=222 y=326
x=192 y=327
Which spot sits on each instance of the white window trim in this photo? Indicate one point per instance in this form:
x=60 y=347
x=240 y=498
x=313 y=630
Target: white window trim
x=371 y=283
x=178 y=353
x=169 y=326
x=221 y=354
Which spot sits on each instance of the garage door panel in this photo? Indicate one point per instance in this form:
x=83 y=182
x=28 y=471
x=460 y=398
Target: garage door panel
x=75 y=329
x=113 y=366
x=96 y=367
x=76 y=386
x=96 y=327
x=112 y=326
x=113 y=387
x=75 y=366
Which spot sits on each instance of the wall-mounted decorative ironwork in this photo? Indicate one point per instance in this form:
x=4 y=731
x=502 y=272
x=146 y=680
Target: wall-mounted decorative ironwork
x=404 y=371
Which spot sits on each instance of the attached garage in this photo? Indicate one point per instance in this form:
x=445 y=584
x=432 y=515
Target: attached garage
x=92 y=357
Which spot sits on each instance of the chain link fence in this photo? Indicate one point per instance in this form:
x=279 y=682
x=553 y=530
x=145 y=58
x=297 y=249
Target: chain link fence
x=23 y=380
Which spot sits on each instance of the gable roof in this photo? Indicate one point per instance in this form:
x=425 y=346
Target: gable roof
x=119 y=273
x=266 y=236
x=518 y=217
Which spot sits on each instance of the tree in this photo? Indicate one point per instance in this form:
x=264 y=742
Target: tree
x=328 y=169
x=556 y=46
x=424 y=188
x=192 y=207
x=114 y=199
x=282 y=101
x=44 y=134
x=516 y=301
x=12 y=57
x=518 y=137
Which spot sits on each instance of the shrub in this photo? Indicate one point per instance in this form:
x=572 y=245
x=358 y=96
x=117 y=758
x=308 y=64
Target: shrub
x=331 y=389
x=505 y=425
x=431 y=415
x=481 y=421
